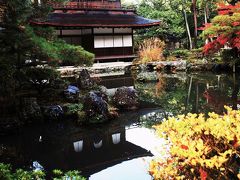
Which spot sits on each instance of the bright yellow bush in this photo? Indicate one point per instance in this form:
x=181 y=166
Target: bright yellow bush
x=151 y=50
x=200 y=147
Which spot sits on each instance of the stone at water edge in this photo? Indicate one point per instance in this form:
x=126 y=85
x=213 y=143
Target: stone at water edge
x=72 y=93
x=96 y=107
x=53 y=112
x=126 y=98
x=84 y=80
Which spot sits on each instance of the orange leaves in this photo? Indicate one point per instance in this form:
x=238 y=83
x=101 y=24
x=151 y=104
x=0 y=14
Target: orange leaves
x=184 y=147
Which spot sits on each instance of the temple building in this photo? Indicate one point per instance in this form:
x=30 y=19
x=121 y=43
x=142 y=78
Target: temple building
x=101 y=27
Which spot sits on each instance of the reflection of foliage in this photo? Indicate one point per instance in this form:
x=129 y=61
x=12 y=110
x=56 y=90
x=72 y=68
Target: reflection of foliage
x=169 y=93
x=153 y=118
x=200 y=147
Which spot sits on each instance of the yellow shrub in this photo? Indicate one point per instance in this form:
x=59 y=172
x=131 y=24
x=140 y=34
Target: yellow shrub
x=200 y=147
x=151 y=50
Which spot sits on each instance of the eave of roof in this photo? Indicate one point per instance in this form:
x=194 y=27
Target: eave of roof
x=96 y=20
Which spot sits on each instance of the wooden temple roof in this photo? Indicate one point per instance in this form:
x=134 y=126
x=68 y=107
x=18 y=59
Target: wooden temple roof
x=96 y=19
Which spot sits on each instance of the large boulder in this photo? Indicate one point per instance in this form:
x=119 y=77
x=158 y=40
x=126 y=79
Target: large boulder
x=126 y=98
x=96 y=107
x=29 y=110
x=54 y=112
x=84 y=80
x=72 y=93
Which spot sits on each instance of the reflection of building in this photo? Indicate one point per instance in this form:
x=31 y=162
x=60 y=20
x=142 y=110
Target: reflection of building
x=101 y=27
x=67 y=148
x=103 y=148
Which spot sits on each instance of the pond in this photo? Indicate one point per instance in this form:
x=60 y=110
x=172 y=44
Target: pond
x=123 y=148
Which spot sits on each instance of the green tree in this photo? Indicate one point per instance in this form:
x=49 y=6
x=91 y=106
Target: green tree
x=22 y=46
x=171 y=27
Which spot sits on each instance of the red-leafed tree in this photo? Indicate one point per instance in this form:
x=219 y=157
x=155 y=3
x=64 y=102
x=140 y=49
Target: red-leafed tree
x=224 y=30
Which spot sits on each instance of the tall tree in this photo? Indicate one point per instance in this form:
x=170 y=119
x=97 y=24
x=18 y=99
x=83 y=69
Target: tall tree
x=194 y=10
x=186 y=23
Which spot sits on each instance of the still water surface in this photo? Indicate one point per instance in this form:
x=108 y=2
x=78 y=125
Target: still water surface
x=123 y=148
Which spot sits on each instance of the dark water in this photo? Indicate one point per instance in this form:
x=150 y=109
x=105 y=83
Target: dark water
x=122 y=148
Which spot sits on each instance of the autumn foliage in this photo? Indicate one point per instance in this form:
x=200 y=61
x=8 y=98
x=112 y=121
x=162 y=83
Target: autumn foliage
x=151 y=50
x=224 y=29
x=200 y=147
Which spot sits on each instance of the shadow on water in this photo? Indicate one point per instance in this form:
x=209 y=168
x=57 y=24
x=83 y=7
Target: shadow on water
x=62 y=145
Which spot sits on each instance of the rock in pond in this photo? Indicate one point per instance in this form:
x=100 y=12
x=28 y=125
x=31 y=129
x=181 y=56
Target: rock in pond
x=71 y=93
x=126 y=98
x=53 y=112
x=96 y=107
x=84 y=80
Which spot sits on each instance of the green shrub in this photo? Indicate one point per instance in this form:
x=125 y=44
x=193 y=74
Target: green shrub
x=74 y=108
x=181 y=53
x=6 y=173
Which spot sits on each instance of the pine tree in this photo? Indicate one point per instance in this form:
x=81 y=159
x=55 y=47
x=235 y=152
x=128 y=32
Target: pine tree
x=23 y=46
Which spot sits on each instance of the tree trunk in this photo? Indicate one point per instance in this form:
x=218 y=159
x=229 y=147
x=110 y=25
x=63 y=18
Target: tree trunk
x=235 y=92
x=194 y=9
x=206 y=18
x=187 y=25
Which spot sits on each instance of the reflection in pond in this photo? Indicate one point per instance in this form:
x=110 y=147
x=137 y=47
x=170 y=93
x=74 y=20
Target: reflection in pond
x=116 y=138
x=67 y=147
x=199 y=92
x=78 y=146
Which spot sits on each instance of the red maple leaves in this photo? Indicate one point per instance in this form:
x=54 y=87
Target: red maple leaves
x=203 y=174
x=230 y=36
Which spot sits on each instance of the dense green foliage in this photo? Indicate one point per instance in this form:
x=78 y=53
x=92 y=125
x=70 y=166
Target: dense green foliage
x=20 y=42
x=180 y=20
x=23 y=46
x=7 y=173
x=55 y=51
x=172 y=25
